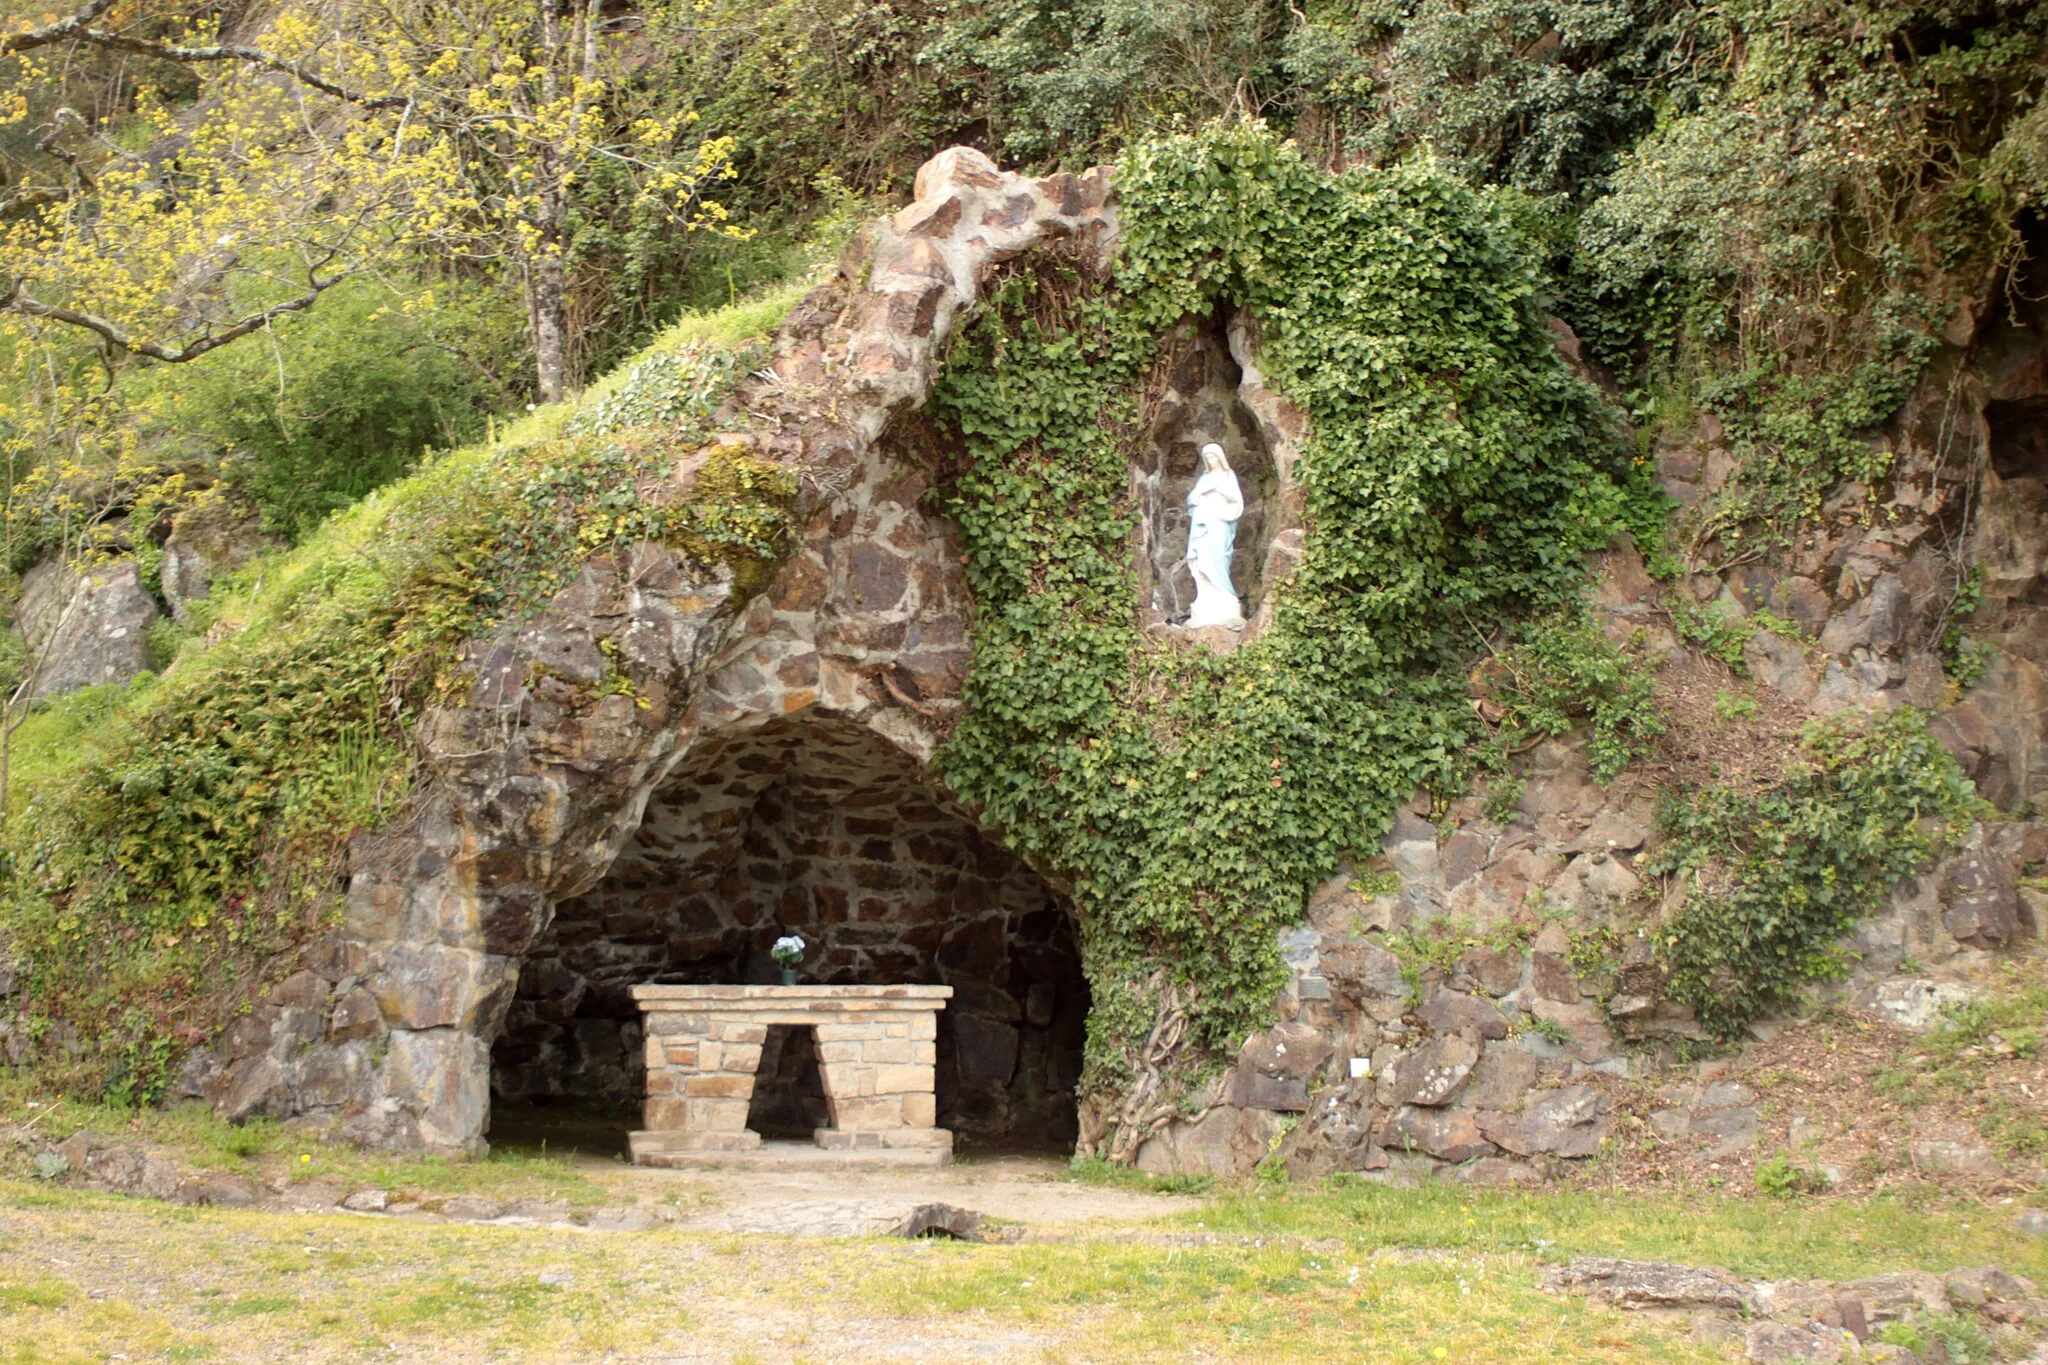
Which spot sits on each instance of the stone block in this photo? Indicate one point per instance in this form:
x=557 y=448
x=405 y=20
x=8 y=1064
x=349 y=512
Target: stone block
x=355 y=1016
x=869 y=1111
x=1434 y=1073
x=1494 y=971
x=1899 y=1294
x=722 y=1085
x=715 y=1114
x=924 y=1026
x=1447 y=1134
x=1649 y=1284
x=683 y=1055
x=920 y=1110
x=1251 y=1089
x=1293 y=1051
x=843 y=1033
x=663 y=1113
x=1550 y=976
x=1591 y=1039
x=1956 y=1158
x=710 y=1056
x=1730 y=1130
x=924 y=1054
x=902 y=1080
x=744 y=1058
x=1502 y=1076
x=1363 y=971
x=743 y=1033
x=839 y=1052
x=427 y=986
x=1566 y=1122
x=848 y=1079
x=888 y=1050
x=1448 y=1011
x=1984 y=919
x=447 y=1073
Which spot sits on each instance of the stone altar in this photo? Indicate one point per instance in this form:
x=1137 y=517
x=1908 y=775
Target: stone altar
x=877 y=1055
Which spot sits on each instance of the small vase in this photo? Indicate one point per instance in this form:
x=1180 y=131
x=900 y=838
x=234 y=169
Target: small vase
x=789 y=976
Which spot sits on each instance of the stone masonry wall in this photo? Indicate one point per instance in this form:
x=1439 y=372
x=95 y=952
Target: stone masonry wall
x=818 y=829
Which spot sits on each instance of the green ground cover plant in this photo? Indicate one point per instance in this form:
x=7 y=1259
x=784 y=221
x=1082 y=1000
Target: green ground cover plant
x=1457 y=474
x=1774 y=876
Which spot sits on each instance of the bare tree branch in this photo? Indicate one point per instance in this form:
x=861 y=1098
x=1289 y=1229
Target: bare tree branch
x=78 y=28
x=56 y=32
x=17 y=301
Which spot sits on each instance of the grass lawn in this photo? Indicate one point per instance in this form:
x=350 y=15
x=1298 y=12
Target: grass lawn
x=1350 y=1272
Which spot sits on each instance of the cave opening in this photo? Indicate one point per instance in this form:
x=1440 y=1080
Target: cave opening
x=816 y=826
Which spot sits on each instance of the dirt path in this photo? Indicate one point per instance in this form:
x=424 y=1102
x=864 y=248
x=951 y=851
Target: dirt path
x=1023 y=1192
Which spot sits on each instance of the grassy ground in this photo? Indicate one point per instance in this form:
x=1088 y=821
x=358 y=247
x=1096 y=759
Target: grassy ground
x=1273 y=1274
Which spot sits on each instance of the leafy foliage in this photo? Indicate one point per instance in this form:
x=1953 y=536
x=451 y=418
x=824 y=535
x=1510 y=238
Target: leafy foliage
x=1456 y=475
x=365 y=386
x=1564 y=672
x=1530 y=93
x=1787 y=243
x=1774 y=877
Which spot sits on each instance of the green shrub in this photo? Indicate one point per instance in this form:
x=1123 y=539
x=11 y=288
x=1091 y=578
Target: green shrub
x=347 y=401
x=1563 y=671
x=1730 y=706
x=1775 y=876
x=165 y=837
x=1959 y=1336
x=1780 y=1177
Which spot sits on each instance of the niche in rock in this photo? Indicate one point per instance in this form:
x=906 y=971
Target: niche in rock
x=1194 y=400
x=815 y=826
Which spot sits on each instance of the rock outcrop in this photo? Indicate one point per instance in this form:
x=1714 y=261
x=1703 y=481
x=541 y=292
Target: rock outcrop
x=85 y=628
x=1784 y=1321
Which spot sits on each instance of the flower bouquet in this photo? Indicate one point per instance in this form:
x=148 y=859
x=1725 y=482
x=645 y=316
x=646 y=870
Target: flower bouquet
x=788 y=953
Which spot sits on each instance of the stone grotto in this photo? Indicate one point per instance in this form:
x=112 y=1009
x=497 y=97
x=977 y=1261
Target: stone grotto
x=768 y=772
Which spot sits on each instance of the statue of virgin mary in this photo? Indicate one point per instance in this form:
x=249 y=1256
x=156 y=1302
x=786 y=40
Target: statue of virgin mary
x=1214 y=505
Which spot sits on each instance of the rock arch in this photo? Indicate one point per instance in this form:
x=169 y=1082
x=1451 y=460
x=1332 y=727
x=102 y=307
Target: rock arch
x=533 y=790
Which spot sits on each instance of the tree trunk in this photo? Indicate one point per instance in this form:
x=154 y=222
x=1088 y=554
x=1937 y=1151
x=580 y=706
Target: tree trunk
x=550 y=270
x=550 y=307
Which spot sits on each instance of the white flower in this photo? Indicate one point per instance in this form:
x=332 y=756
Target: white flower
x=788 y=943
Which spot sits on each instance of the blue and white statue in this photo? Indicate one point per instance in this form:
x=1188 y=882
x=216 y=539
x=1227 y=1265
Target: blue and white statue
x=1214 y=505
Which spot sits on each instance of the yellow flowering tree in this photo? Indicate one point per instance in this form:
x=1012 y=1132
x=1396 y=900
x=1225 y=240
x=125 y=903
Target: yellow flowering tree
x=315 y=147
